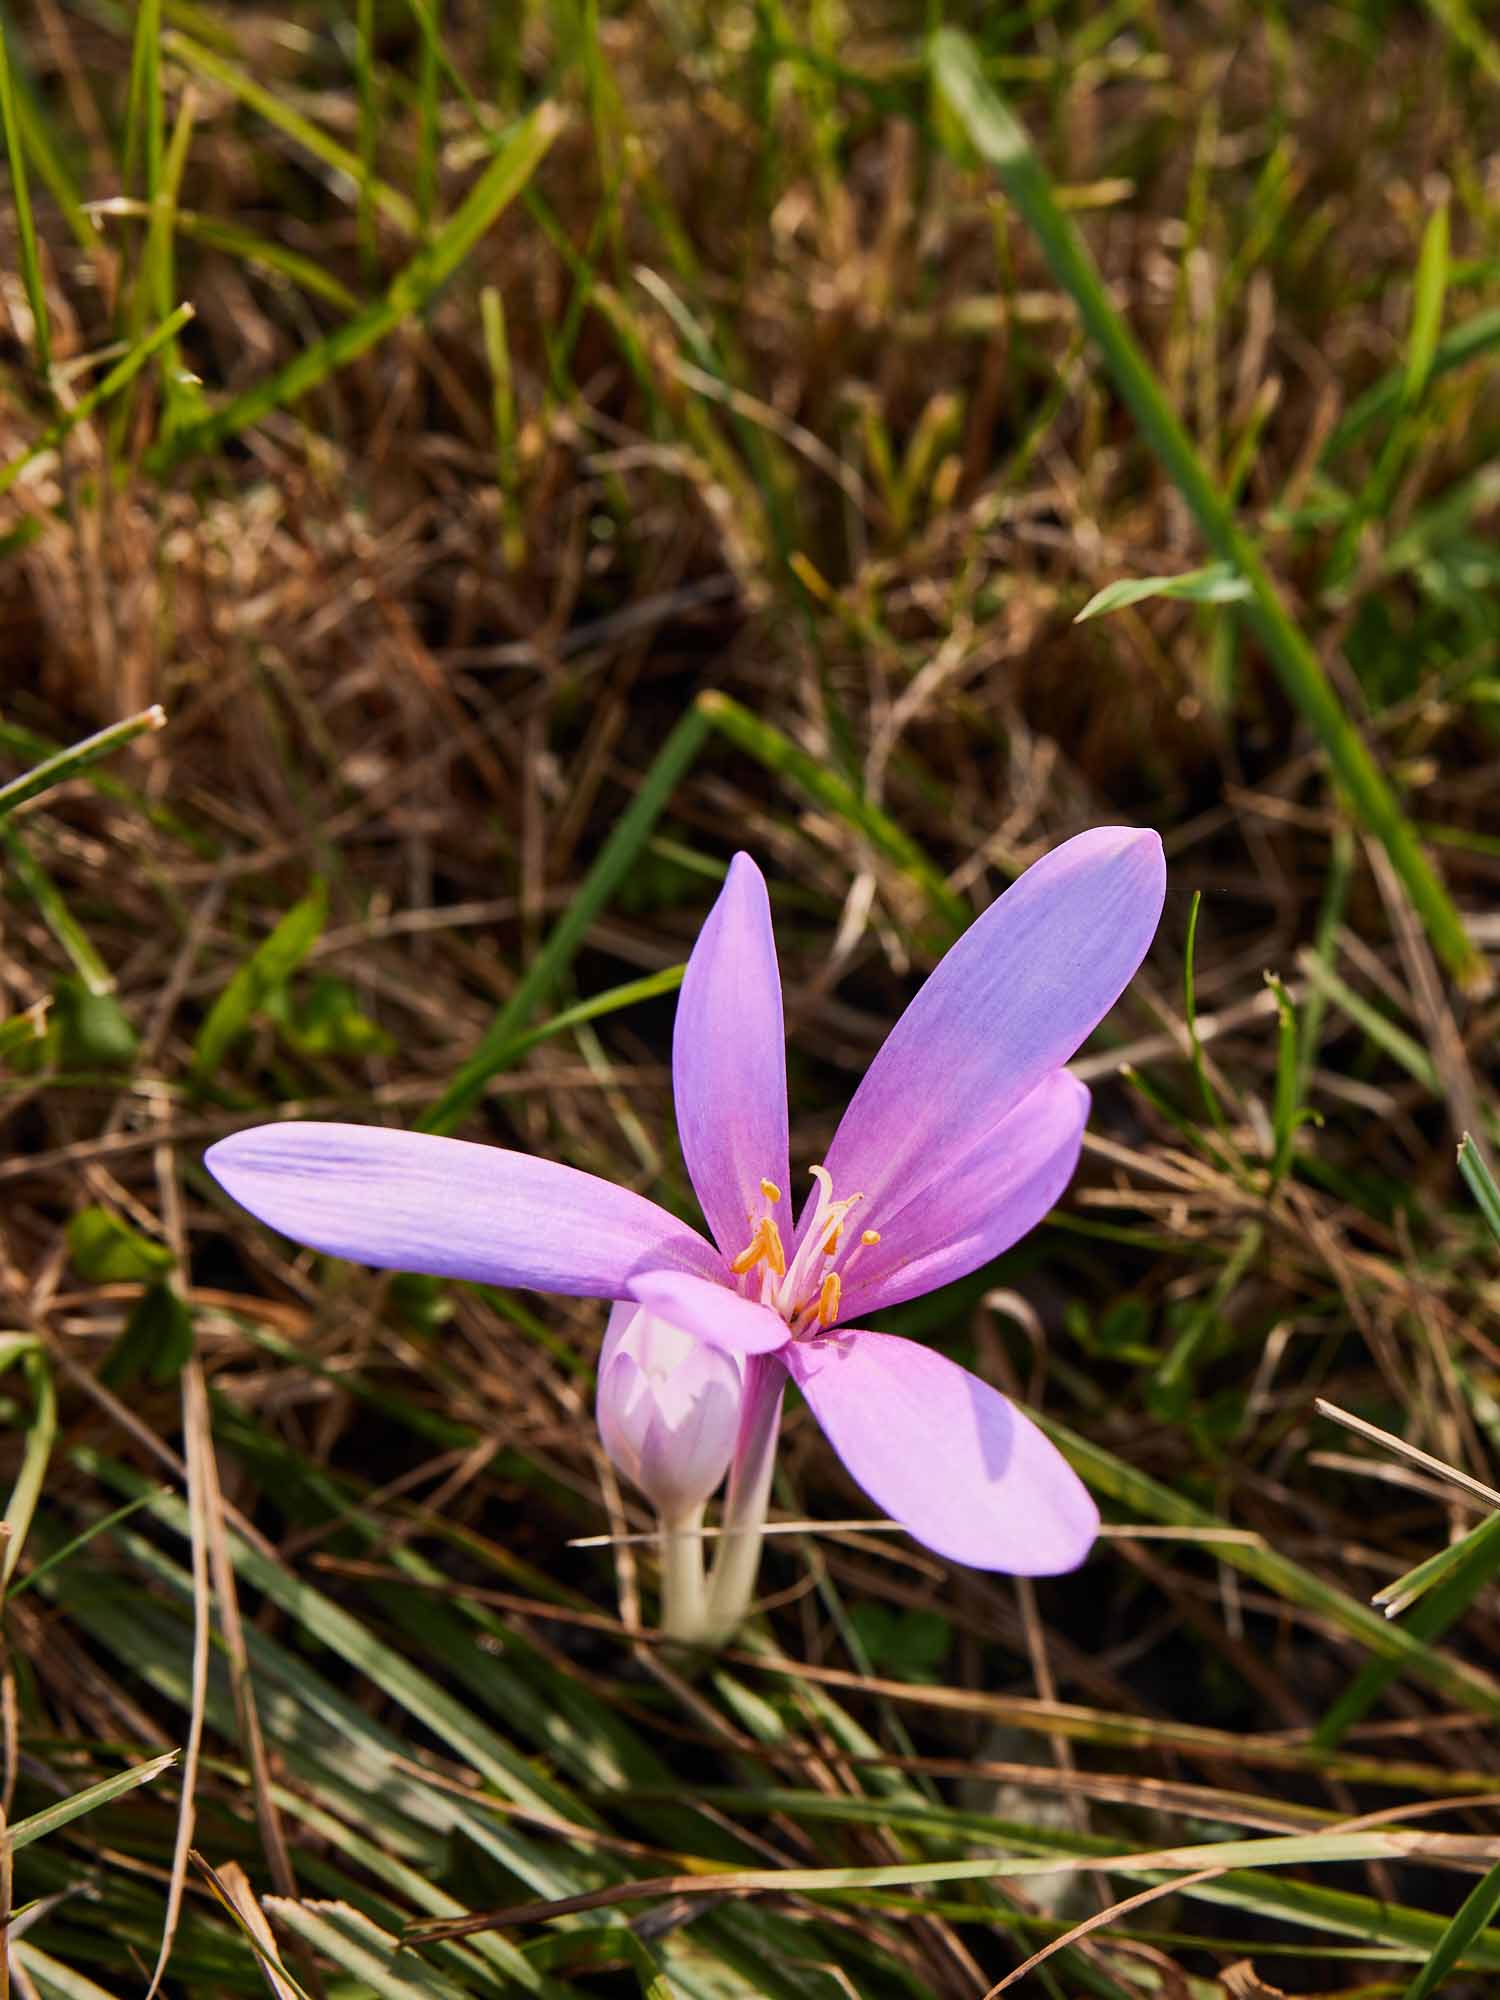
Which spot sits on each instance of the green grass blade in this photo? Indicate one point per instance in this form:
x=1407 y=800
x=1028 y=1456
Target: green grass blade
x=1471 y=340
x=1428 y=294
x=1458 y=17
x=1147 y=1499
x=1476 y=1171
x=1468 y=1925
x=55 y=1981
x=370 y=1955
x=119 y=377
x=290 y=123
x=36 y=1455
x=499 y=1043
x=54 y=912
x=38 y=1825
x=410 y=292
x=1478 y=1559
x=1002 y=142
x=763 y=741
x=20 y=196
x=609 y=1002
x=1215 y=583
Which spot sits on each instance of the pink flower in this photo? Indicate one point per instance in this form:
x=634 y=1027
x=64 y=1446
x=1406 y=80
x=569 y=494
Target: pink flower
x=963 y=1133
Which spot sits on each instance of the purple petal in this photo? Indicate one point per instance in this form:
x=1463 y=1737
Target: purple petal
x=1011 y=1002
x=978 y=1206
x=710 y=1311
x=944 y=1454
x=407 y=1201
x=729 y=1064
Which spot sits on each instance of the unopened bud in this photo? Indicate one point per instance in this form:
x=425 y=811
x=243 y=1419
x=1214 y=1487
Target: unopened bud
x=668 y=1408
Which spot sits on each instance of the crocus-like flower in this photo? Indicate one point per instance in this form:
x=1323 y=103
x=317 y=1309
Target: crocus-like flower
x=963 y=1133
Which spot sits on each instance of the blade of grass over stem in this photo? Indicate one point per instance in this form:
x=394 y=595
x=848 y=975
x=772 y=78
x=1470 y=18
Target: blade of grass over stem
x=763 y=741
x=498 y=1045
x=409 y=293
x=1002 y=142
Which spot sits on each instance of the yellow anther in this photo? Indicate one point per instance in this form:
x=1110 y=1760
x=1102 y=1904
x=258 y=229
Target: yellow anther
x=770 y=1190
x=832 y=1243
x=870 y=1236
x=828 y=1299
x=764 y=1247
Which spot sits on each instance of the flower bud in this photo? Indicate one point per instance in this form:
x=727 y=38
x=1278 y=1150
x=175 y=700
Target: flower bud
x=668 y=1408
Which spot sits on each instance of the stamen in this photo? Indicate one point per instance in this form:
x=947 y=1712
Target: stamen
x=833 y=1239
x=828 y=1299
x=764 y=1247
x=770 y=1190
x=869 y=1236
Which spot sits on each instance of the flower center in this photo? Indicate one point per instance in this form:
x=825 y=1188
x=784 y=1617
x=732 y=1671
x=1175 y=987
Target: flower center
x=807 y=1293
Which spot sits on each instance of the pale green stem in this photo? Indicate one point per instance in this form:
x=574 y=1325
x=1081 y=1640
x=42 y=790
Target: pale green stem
x=684 y=1599
x=733 y=1582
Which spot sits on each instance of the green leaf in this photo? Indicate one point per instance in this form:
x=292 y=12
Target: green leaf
x=263 y=974
x=157 y=1341
x=1215 y=583
x=328 y=1022
x=106 y=1250
x=912 y=1645
x=90 y=1030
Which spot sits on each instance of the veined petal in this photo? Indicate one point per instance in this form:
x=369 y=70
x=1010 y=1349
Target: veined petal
x=710 y=1311
x=408 y=1201
x=951 y=1459
x=979 y=1206
x=729 y=1064
x=1011 y=1002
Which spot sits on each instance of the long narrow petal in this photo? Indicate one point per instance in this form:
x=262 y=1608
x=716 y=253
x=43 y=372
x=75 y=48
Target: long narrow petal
x=729 y=1063
x=944 y=1454
x=407 y=1201
x=1011 y=1002
x=710 y=1311
x=979 y=1206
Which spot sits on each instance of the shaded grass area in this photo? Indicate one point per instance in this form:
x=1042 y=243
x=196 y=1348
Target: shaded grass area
x=602 y=437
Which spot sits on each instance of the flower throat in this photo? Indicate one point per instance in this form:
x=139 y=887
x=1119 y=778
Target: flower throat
x=807 y=1292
